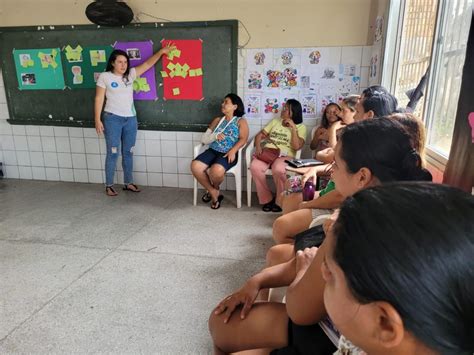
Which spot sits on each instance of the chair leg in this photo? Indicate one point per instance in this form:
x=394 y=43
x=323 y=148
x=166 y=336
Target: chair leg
x=249 y=188
x=238 y=189
x=195 y=192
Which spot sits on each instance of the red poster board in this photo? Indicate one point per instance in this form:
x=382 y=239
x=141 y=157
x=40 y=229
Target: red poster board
x=182 y=70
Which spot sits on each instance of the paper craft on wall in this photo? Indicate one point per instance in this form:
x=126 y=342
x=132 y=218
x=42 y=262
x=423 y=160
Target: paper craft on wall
x=378 y=33
x=182 y=70
x=144 y=87
x=270 y=106
x=252 y=105
x=254 y=79
x=39 y=69
x=309 y=105
x=83 y=65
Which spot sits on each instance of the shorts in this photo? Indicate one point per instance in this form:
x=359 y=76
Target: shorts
x=306 y=340
x=211 y=156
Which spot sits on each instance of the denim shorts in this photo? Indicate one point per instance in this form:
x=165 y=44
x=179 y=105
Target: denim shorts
x=212 y=156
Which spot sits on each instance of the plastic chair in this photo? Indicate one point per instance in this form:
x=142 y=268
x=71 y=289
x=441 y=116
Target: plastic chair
x=236 y=170
x=248 y=159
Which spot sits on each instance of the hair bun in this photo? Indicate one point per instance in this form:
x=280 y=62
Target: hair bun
x=411 y=168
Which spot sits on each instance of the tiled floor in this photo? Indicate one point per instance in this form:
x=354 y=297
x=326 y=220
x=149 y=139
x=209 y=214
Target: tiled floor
x=84 y=273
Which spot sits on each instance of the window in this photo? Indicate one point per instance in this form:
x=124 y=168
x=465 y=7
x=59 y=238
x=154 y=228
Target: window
x=429 y=35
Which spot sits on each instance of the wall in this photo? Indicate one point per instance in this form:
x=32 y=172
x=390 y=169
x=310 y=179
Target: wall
x=163 y=158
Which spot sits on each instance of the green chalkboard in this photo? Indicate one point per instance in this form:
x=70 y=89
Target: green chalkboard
x=74 y=107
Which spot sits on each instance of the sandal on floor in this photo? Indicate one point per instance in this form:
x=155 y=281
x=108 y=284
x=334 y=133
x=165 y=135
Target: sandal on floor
x=135 y=188
x=268 y=206
x=217 y=204
x=110 y=191
x=206 y=197
x=276 y=208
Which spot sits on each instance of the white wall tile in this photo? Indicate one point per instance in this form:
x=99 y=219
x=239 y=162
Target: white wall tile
x=5 y=128
x=65 y=160
x=197 y=136
x=170 y=180
x=168 y=148
x=351 y=55
x=61 y=131
x=185 y=149
x=23 y=158
x=155 y=179
x=18 y=130
x=52 y=174
x=185 y=181
x=102 y=146
x=79 y=161
x=169 y=165
x=184 y=165
x=168 y=136
x=76 y=132
x=48 y=143
x=92 y=145
x=140 y=134
x=152 y=134
x=184 y=136
x=50 y=159
x=77 y=145
x=9 y=157
x=139 y=147
x=46 y=131
x=153 y=148
x=63 y=145
x=140 y=178
x=20 y=142
x=364 y=77
x=96 y=176
x=37 y=159
x=12 y=172
x=81 y=175
x=93 y=161
x=7 y=142
x=32 y=130
x=34 y=144
x=366 y=55
x=4 y=115
x=38 y=173
x=139 y=163
x=25 y=172
x=90 y=132
x=153 y=164
x=333 y=56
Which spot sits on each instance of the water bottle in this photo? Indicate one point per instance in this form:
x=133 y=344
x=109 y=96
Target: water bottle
x=308 y=190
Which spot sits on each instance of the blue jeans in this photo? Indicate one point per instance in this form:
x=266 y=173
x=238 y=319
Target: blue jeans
x=119 y=131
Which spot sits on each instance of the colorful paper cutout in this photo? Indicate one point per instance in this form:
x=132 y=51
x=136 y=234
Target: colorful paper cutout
x=164 y=74
x=46 y=76
x=184 y=68
x=97 y=56
x=139 y=52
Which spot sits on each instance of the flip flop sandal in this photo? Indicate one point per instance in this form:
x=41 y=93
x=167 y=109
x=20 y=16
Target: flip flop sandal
x=276 y=208
x=126 y=188
x=206 y=197
x=217 y=204
x=268 y=206
x=110 y=191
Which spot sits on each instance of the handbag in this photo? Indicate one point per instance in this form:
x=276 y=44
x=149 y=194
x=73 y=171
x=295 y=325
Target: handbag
x=269 y=155
x=312 y=237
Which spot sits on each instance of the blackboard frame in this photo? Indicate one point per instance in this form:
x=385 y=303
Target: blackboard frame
x=169 y=114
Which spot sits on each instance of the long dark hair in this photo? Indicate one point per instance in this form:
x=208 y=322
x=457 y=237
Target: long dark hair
x=384 y=147
x=324 y=118
x=412 y=245
x=113 y=56
x=296 y=110
x=236 y=100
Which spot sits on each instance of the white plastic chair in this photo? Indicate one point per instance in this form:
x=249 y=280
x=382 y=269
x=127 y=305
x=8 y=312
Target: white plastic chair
x=248 y=160
x=236 y=170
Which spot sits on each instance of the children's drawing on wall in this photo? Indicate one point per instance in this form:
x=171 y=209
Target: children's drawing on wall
x=252 y=106
x=329 y=72
x=134 y=53
x=349 y=86
x=96 y=76
x=259 y=58
x=254 y=80
x=271 y=107
x=78 y=78
x=309 y=105
x=289 y=78
x=73 y=55
x=97 y=56
x=314 y=57
x=305 y=81
x=284 y=57
x=273 y=78
x=373 y=66
x=347 y=70
x=28 y=79
x=25 y=60
x=378 y=33
x=48 y=59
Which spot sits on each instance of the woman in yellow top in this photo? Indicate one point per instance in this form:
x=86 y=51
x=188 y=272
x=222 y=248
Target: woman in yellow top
x=287 y=134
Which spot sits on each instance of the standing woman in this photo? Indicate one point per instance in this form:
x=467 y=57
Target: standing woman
x=119 y=118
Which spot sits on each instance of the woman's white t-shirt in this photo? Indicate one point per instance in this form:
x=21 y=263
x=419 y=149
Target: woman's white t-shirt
x=118 y=93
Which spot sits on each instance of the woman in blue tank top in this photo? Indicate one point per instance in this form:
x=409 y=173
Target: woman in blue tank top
x=225 y=136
